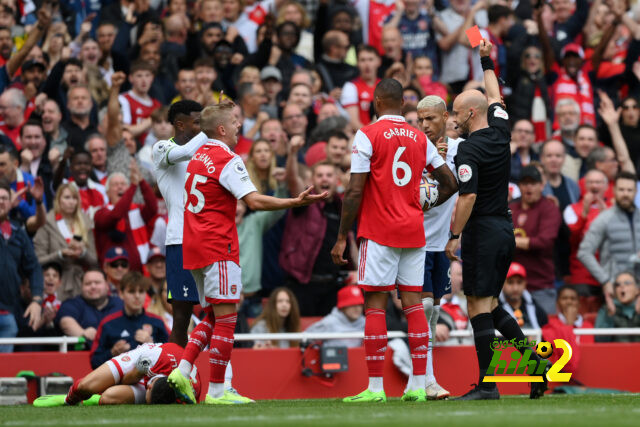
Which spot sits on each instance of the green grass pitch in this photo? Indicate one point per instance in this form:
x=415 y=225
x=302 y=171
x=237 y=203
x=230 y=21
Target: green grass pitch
x=557 y=410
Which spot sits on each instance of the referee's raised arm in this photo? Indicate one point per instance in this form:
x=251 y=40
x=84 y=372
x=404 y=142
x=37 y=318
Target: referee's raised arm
x=491 y=86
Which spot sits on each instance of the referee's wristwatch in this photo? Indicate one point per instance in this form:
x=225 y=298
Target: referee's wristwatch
x=453 y=236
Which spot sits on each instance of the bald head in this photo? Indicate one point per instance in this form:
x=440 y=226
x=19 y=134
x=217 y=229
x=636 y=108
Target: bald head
x=470 y=111
x=473 y=99
x=388 y=96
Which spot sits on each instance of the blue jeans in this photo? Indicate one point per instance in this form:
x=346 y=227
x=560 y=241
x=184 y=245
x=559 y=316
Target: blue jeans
x=8 y=329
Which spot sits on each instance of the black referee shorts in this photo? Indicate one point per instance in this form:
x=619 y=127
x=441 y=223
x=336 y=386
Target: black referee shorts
x=488 y=244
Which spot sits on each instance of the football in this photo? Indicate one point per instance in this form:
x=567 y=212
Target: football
x=544 y=349
x=428 y=192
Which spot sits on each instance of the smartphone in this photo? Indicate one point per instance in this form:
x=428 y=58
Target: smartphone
x=77 y=238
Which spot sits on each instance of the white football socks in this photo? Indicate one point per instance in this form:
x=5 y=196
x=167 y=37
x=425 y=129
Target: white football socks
x=216 y=390
x=185 y=368
x=375 y=384
x=433 y=322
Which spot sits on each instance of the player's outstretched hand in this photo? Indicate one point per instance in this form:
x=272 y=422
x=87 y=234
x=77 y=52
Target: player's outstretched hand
x=306 y=198
x=451 y=248
x=485 y=48
x=337 y=253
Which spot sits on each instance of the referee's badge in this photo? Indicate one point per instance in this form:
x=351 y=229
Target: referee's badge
x=464 y=173
x=500 y=113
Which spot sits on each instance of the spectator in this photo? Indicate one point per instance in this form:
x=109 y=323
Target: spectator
x=578 y=217
x=56 y=134
x=161 y=307
x=125 y=329
x=628 y=120
x=586 y=140
x=530 y=97
x=625 y=315
x=34 y=156
x=281 y=314
x=562 y=325
x=250 y=98
x=331 y=65
x=157 y=268
x=615 y=236
x=337 y=147
x=305 y=257
x=136 y=104
x=234 y=17
x=271 y=78
x=12 y=107
x=261 y=166
x=357 y=95
x=79 y=125
x=97 y=147
x=18 y=180
x=18 y=262
x=536 y=220
x=518 y=302
x=567 y=113
x=392 y=45
x=453 y=308
x=67 y=238
x=116 y=265
x=294 y=121
x=52 y=275
x=110 y=59
x=122 y=222
x=522 y=139
x=346 y=316
x=293 y=11
x=566 y=192
x=80 y=316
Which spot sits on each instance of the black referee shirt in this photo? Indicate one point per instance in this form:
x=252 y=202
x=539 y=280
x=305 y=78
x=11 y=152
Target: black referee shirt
x=483 y=164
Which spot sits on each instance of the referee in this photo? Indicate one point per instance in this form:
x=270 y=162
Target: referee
x=483 y=166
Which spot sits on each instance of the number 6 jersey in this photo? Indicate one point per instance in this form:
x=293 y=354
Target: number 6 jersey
x=394 y=154
x=215 y=179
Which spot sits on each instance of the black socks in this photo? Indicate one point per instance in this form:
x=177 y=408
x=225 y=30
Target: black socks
x=483 y=335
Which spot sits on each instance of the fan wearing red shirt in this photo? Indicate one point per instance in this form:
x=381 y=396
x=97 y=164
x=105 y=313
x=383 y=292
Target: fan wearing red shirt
x=387 y=162
x=136 y=103
x=216 y=178
x=357 y=94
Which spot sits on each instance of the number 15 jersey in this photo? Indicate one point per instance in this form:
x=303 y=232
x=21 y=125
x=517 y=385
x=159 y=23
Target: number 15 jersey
x=216 y=178
x=395 y=154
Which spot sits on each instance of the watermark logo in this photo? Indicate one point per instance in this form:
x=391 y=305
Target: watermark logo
x=521 y=368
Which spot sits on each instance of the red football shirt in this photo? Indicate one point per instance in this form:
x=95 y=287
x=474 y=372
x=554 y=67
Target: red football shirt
x=394 y=154
x=216 y=178
x=358 y=93
x=136 y=109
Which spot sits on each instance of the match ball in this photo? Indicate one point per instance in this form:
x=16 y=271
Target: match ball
x=428 y=192
x=544 y=349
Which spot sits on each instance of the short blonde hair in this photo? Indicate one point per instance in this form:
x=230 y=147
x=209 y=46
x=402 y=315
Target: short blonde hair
x=215 y=115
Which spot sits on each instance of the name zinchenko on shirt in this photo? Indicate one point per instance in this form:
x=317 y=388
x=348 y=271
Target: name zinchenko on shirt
x=208 y=163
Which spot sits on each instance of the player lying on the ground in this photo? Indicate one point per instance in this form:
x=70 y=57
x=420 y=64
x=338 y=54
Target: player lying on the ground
x=137 y=376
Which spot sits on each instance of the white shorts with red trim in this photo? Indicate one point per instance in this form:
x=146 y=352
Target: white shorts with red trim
x=124 y=363
x=218 y=283
x=383 y=268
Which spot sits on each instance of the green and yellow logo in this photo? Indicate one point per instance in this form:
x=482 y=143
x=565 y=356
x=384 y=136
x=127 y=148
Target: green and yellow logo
x=520 y=368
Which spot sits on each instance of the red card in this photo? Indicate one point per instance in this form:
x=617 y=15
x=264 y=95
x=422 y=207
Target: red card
x=474 y=36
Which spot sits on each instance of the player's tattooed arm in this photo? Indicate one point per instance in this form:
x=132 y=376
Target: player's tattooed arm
x=447 y=183
x=350 y=207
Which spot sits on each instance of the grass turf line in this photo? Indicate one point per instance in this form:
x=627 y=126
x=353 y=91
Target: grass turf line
x=567 y=411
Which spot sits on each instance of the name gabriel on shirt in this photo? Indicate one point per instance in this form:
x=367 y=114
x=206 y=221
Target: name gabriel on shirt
x=400 y=132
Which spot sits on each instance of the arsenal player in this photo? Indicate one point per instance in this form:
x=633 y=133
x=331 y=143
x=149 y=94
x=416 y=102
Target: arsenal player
x=387 y=162
x=216 y=178
x=137 y=376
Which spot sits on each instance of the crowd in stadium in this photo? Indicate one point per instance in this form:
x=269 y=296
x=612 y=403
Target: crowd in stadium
x=85 y=93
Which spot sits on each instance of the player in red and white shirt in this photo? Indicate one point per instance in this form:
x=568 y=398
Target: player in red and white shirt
x=357 y=95
x=136 y=104
x=387 y=162
x=136 y=376
x=216 y=178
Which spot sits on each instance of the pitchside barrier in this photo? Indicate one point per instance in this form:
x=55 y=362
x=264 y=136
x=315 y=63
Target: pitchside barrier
x=277 y=373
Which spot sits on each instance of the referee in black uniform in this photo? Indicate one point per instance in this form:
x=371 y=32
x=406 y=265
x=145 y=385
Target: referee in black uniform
x=482 y=216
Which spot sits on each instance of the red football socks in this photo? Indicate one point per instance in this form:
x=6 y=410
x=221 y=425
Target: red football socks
x=199 y=339
x=418 y=337
x=76 y=396
x=375 y=340
x=221 y=346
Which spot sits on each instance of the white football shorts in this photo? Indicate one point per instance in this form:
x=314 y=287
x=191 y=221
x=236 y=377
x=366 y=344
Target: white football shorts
x=218 y=283
x=383 y=268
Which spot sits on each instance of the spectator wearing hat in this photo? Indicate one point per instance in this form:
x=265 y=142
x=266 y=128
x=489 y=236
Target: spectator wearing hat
x=18 y=262
x=346 y=316
x=80 y=316
x=116 y=265
x=518 y=302
x=157 y=268
x=271 y=79
x=122 y=222
x=536 y=222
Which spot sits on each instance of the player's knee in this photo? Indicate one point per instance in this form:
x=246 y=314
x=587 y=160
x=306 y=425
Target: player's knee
x=87 y=385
